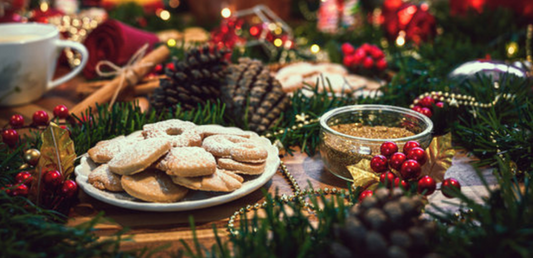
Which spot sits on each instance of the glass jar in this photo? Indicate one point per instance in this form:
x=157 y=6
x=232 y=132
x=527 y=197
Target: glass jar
x=342 y=152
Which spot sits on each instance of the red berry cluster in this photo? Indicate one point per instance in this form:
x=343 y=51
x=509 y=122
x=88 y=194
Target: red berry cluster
x=54 y=188
x=408 y=165
x=367 y=56
x=40 y=118
x=425 y=104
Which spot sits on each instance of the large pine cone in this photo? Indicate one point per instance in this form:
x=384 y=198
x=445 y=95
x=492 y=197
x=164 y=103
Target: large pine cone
x=194 y=80
x=386 y=224
x=251 y=92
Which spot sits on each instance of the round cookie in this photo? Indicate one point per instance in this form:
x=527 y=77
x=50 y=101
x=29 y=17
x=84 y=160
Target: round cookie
x=105 y=150
x=220 y=181
x=242 y=168
x=103 y=179
x=188 y=162
x=153 y=186
x=139 y=156
x=179 y=133
x=209 y=130
x=221 y=145
x=249 y=151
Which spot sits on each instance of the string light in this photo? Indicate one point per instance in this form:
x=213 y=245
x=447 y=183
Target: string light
x=400 y=40
x=164 y=15
x=278 y=42
x=171 y=42
x=315 y=48
x=226 y=12
x=44 y=6
x=512 y=49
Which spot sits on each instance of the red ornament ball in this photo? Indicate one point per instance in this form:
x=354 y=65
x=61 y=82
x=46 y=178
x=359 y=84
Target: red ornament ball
x=387 y=179
x=69 y=189
x=347 y=49
x=20 y=190
x=359 y=56
x=439 y=104
x=426 y=111
x=364 y=194
x=16 y=121
x=398 y=182
x=409 y=145
x=379 y=163
x=410 y=169
x=418 y=154
x=450 y=187
x=40 y=118
x=427 y=101
x=426 y=185
x=61 y=111
x=7 y=189
x=52 y=179
x=388 y=148
x=368 y=63
x=417 y=108
x=10 y=137
x=397 y=159
x=348 y=60
x=24 y=177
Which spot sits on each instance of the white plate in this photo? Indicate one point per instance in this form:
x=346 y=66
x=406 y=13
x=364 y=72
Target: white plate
x=193 y=200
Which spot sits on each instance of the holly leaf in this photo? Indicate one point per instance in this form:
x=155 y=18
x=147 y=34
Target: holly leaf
x=440 y=153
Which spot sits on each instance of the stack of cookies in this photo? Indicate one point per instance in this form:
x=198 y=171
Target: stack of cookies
x=172 y=157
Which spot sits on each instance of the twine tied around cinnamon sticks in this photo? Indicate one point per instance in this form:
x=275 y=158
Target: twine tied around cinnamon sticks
x=129 y=75
x=126 y=72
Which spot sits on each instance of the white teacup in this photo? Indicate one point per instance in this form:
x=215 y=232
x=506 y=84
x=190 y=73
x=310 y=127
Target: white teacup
x=28 y=56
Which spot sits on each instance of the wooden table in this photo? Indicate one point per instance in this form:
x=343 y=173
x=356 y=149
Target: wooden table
x=151 y=229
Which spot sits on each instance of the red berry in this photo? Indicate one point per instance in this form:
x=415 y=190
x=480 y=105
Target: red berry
x=364 y=194
x=427 y=101
x=388 y=148
x=379 y=163
x=7 y=189
x=426 y=185
x=16 y=121
x=69 y=189
x=450 y=187
x=439 y=104
x=20 y=190
x=410 y=169
x=375 y=52
x=10 y=137
x=40 y=118
x=348 y=60
x=24 y=177
x=381 y=64
x=426 y=111
x=170 y=66
x=366 y=47
x=158 y=68
x=347 y=49
x=359 y=56
x=61 y=111
x=418 y=154
x=52 y=179
x=397 y=159
x=368 y=63
x=387 y=179
x=409 y=145
x=417 y=108
x=404 y=184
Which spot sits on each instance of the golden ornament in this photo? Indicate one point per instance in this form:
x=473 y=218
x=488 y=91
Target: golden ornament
x=25 y=166
x=31 y=156
x=362 y=177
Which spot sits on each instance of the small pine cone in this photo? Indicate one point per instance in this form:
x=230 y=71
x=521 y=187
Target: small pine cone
x=386 y=224
x=252 y=91
x=194 y=80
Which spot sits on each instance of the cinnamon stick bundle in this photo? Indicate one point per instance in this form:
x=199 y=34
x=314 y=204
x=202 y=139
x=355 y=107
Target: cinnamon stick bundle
x=105 y=93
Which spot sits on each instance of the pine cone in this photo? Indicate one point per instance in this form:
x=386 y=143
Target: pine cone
x=386 y=224
x=253 y=93
x=194 y=80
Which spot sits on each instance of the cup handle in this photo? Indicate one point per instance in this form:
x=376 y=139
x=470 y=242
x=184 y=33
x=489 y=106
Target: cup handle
x=84 y=57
